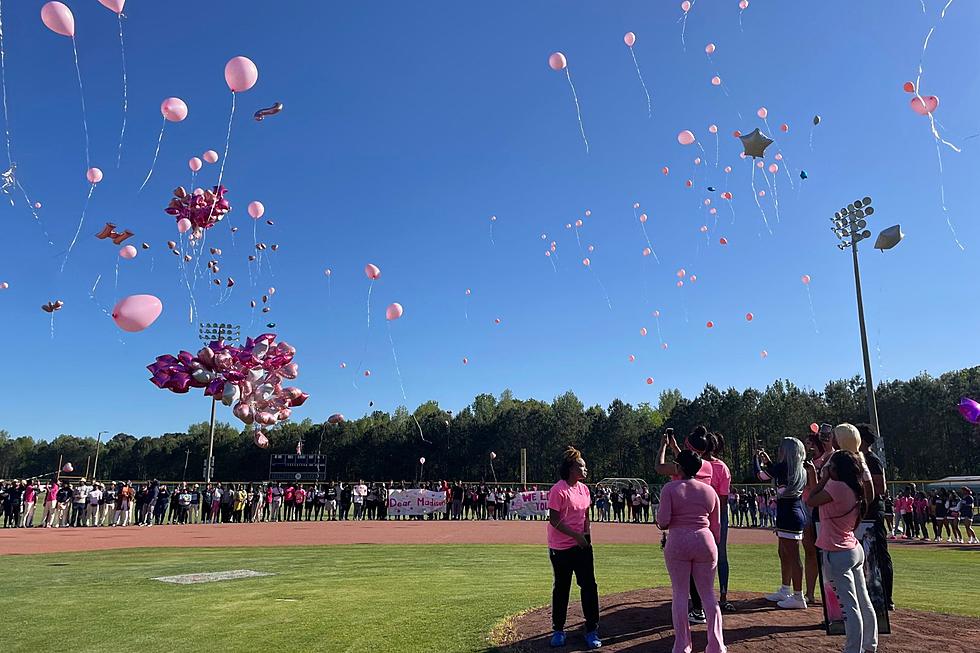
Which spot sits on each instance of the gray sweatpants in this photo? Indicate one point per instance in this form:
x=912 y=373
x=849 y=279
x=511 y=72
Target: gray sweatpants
x=846 y=575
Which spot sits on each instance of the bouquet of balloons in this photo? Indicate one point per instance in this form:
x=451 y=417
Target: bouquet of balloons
x=199 y=210
x=248 y=377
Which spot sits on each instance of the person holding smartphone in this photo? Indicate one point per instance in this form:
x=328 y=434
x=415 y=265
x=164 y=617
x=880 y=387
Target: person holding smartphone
x=570 y=548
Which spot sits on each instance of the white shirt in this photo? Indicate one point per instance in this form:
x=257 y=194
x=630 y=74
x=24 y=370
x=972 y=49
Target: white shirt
x=94 y=497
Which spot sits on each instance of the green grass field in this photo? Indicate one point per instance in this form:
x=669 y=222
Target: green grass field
x=358 y=598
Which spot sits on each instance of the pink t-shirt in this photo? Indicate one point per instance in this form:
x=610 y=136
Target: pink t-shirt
x=689 y=505
x=572 y=503
x=721 y=477
x=837 y=518
x=299 y=496
x=704 y=474
x=29 y=494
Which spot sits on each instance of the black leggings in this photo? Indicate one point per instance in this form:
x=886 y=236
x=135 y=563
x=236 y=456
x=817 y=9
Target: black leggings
x=564 y=562
x=884 y=560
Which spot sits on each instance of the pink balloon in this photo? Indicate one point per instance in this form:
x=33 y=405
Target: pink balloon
x=928 y=104
x=762 y=112
x=372 y=271
x=173 y=109
x=686 y=137
x=681 y=273
x=256 y=209
x=814 y=428
x=496 y=321
x=469 y=292
x=773 y=168
x=716 y=81
x=632 y=358
x=805 y=279
x=210 y=156
x=113 y=5
x=762 y=193
x=643 y=217
x=710 y=48
x=195 y=164
x=722 y=241
x=686 y=6
x=394 y=311
x=749 y=317
x=697 y=161
x=647 y=251
x=779 y=156
x=58 y=18
x=586 y=262
x=693 y=278
x=261 y=440
x=465 y=360
x=557 y=61
x=629 y=39
x=422 y=461
x=728 y=169
x=136 y=312
x=184 y=225
x=128 y=252
x=578 y=223
x=343 y=366
x=328 y=272
x=726 y=195
x=643 y=331
x=764 y=354
x=656 y=313
x=703 y=229
x=743 y=4
x=4 y=285
x=649 y=380
x=240 y=74
x=713 y=129
x=784 y=127
x=665 y=170
x=94 y=175
x=710 y=324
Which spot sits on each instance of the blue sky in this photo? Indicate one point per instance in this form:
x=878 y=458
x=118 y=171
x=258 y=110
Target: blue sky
x=407 y=125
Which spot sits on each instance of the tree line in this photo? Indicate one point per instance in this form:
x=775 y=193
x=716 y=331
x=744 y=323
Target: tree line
x=924 y=436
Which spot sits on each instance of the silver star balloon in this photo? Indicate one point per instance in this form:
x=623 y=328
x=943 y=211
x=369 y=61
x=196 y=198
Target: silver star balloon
x=755 y=143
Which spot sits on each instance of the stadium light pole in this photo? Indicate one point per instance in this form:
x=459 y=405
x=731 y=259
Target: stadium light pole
x=214 y=332
x=850 y=227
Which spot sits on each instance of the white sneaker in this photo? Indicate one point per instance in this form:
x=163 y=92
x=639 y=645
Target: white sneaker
x=793 y=603
x=779 y=595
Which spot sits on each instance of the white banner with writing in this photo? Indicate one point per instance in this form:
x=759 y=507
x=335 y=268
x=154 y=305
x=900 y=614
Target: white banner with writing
x=529 y=504
x=415 y=502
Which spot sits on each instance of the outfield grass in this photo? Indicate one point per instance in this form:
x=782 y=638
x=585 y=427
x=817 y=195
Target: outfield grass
x=358 y=598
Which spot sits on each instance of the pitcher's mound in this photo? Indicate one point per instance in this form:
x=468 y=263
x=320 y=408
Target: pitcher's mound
x=641 y=621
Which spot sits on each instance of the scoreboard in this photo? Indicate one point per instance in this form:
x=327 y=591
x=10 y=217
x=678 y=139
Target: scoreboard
x=297 y=467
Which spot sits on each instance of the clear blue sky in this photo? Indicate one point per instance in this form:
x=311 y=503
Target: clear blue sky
x=407 y=125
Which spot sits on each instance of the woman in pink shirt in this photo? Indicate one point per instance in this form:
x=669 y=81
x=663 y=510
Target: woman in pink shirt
x=690 y=510
x=840 y=494
x=570 y=548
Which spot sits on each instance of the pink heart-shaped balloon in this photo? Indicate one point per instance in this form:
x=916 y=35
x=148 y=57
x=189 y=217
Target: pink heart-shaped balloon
x=926 y=105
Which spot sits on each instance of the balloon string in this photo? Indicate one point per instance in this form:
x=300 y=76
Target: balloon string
x=812 y=127
x=942 y=199
x=717 y=148
x=398 y=371
x=155 y=155
x=122 y=52
x=813 y=313
x=81 y=219
x=578 y=110
x=553 y=266
x=642 y=83
x=92 y=296
x=81 y=93
x=660 y=335
x=52 y=325
x=491 y=234
x=602 y=287
x=775 y=195
x=649 y=244
x=755 y=194
x=367 y=335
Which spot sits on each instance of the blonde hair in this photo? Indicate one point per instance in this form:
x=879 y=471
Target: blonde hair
x=848 y=437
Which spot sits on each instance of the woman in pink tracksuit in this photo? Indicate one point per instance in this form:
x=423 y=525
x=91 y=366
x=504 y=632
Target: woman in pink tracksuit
x=691 y=511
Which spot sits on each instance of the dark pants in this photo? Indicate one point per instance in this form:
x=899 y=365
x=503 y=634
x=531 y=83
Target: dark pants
x=884 y=560
x=564 y=563
x=695 y=597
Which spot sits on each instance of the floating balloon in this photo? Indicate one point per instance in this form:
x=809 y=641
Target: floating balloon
x=336 y=418
x=716 y=81
x=256 y=209
x=764 y=354
x=647 y=251
x=557 y=61
x=328 y=272
x=262 y=114
x=466 y=360
x=925 y=105
x=773 y=168
x=394 y=311
x=184 y=225
x=814 y=428
x=136 y=312
x=343 y=366
x=665 y=170
x=632 y=358
x=586 y=262
x=803 y=174
x=643 y=217
x=173 y=109
x=422 y=461
x=240 y=74
x=686 y=6
x=4 y=285
x=743 y=4
x=629 y=39
x=755 y=143
x=497 y=321
x=58 y=18
x=261 y=440
x=686 y=137
x=643 y=331
x=94 y=175
x=128 y=252
x=195 y=164
x=109 y=231
x=762 y=112
x=713 y=129
x=68 y=468
x=970 y=410
x=202 y=209
x=710 y=324
x=816 y=120
x=805 y=279
x=210 y=156
x=722 y=241
x=749 y=317
x=908 y=87
x=710 y=48
x=367 y=372
x=681 y=273
x=372 y=271
x=784 y=127
x=649 y=380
